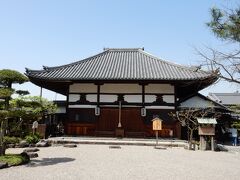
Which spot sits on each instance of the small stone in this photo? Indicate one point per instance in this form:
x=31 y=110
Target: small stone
x=11 y=145
x=114 y=147
x=24 y=154
x=186 y=147
x=31 y=150
x=70 y=145
x=3 y=165
x=32 y=154
x=23 y=144
x=17 y=146
x=220 y=147
x=42 y=143
x=160 y=147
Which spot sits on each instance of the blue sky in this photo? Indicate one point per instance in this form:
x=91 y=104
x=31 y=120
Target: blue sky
x=57 y=32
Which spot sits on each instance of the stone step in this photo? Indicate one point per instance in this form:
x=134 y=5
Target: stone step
x=112 y=141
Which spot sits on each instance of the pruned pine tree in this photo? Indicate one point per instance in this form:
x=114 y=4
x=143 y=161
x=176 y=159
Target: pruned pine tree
x=225 y=25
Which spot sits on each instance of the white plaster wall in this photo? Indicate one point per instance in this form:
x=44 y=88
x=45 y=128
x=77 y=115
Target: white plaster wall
x=121 y=88
x=159 y=88
x=82 y=106
x=83 y=88
x=196 y=102
x=159 y=107
x=133 y=98
x=168 y=98
x=61 y=110
x=74 y=97
x=150 y=98
x=91 y=97
x=108 y=98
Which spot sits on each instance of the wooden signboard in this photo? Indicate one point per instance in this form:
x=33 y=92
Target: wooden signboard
x=206 y=130
x=157 y=124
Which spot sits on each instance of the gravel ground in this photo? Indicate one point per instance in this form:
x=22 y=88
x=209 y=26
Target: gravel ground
x=129 y=162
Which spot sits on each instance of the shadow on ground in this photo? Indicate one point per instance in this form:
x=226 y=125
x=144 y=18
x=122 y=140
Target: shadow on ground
x=49 y=161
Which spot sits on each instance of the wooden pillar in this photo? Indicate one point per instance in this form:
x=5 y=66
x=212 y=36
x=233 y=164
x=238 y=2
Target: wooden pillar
x=202 y=143
x=98 y=95
x=175 y=97
x=66 y=126
x=143 y=95
x=212 y=143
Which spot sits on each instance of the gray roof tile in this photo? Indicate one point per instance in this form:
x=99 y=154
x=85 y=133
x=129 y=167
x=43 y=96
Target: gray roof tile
x=225 y=98
x=119 y=64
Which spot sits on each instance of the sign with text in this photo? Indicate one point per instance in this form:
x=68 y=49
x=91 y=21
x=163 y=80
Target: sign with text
x=206 y=131
x=157 y=124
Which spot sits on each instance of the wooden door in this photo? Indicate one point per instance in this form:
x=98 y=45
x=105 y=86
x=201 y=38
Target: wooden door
x=132 y=120
x=108 y=119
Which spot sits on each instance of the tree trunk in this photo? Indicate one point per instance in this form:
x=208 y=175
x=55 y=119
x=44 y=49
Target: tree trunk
x=2 y=145
x=190 y=139
x=2 y=150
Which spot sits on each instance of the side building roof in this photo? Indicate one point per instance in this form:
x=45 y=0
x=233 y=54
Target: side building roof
x=226 y=98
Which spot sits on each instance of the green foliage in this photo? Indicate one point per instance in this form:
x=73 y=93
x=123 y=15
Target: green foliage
x=11 y=140
x=14 y=159
x=236 y=110
x=8 y=77
x=6 y=92
x=3 y=114
x=34 y=104
x=33 y=138
x=225 y=24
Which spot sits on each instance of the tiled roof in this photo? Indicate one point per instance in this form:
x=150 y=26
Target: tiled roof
x=225 y=98
x=206 y=120
x=119 y=64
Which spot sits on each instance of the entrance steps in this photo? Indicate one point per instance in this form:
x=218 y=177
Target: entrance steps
x=167 y=142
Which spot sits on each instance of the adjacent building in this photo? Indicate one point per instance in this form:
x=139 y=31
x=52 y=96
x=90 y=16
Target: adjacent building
x=227 y=99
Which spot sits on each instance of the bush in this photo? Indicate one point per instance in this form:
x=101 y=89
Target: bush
x=14 y=159
x=33 y=138
x=11 y=140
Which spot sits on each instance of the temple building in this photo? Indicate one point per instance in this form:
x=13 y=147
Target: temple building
x=122 y=89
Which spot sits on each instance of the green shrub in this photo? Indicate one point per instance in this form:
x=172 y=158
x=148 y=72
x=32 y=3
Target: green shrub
x=33 y=138
x=14 y=159
x=11 y=140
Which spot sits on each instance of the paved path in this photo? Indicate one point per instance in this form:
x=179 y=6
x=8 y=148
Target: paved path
x=118 y=141
x=129 y=162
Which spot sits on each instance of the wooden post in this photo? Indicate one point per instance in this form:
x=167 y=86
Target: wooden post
x=41 y=94
x=156 y=138
x=212 y=143
x=201 y=142
x=119 y=115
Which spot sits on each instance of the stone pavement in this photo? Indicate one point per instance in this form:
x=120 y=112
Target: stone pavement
x=118 y=141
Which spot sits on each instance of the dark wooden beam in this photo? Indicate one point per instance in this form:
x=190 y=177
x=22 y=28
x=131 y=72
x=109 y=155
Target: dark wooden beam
x=143 y=95
x=98 y=95
x=175 y=97
x=67 y=104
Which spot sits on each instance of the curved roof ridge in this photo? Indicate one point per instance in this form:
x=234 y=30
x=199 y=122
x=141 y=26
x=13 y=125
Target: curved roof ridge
x=73 y=63
x=172 y=63
x=122 y=64
x=123 y=49
x=28 y=70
